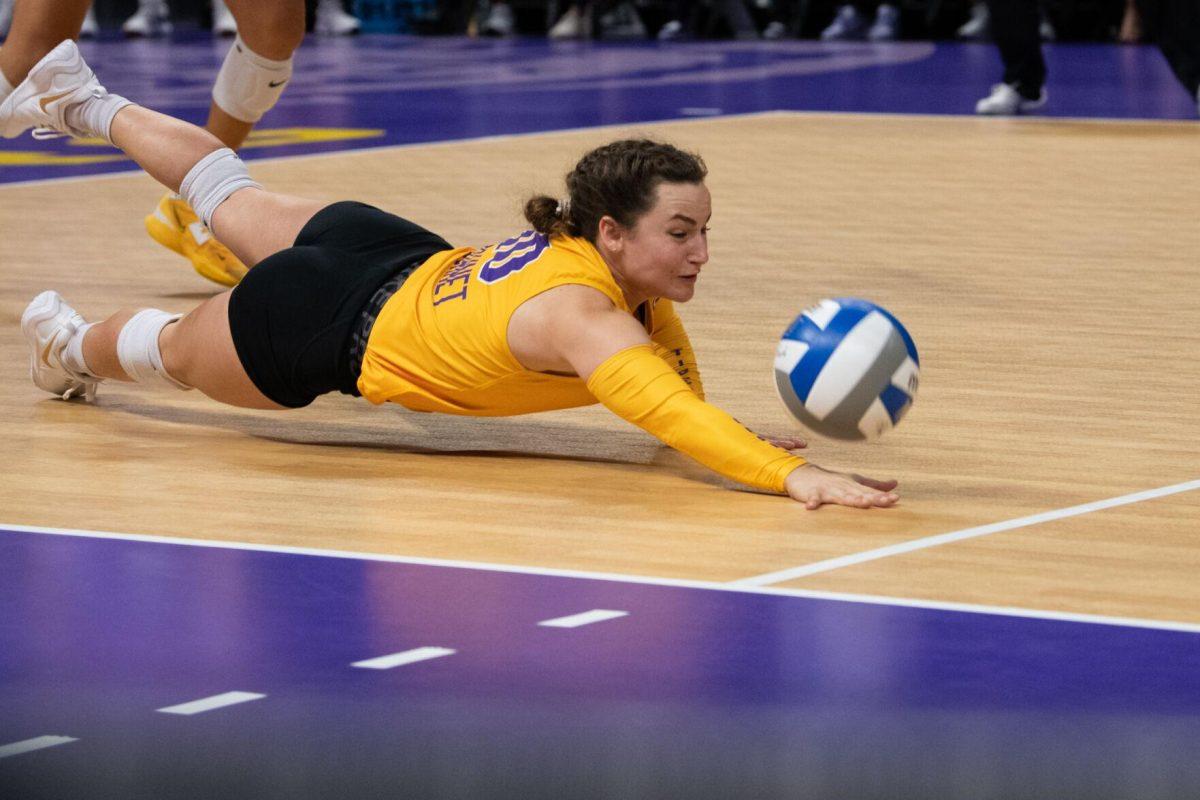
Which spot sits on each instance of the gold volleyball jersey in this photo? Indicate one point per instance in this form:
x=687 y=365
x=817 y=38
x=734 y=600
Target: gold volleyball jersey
x=440 y=343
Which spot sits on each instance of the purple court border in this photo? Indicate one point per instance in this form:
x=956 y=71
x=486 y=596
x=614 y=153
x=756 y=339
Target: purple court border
x=402 y=90
x=691 y=692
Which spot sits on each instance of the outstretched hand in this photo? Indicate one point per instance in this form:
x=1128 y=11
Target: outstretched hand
x=815 y=486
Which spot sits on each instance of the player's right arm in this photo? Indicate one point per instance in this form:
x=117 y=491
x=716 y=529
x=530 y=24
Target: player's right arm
x=579 y=327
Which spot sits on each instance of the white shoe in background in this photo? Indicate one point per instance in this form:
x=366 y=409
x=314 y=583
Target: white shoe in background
x=333 y=20
x=978 y=26
x=500 y=21
x=848 y=25
x=152 y=18
x=223 y=23
x=886 y=27
x=90 y=29
x=1005 y=100
x=672 y=32
x=775 y=31
x=571 y=25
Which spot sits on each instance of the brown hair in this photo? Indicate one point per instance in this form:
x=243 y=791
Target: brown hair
x=618 y=180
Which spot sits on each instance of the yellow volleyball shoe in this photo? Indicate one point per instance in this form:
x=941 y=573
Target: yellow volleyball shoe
x=175 y=226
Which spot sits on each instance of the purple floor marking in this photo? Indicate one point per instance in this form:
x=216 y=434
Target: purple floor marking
x=426 y=90
x=695 y=694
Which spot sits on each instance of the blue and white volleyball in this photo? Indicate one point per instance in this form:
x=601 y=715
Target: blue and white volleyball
x=847 y=369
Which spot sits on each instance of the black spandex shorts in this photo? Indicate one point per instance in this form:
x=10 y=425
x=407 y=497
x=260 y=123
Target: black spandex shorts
x=300 y=316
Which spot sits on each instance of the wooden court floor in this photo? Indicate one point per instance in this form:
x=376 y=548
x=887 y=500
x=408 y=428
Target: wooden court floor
x=1049 y=272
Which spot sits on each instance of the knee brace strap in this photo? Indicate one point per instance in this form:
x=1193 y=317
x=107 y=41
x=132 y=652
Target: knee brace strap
x=249 y=85
x=137 y=347
x=212 y=179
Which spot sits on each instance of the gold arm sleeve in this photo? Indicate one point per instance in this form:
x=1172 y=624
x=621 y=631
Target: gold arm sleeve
x=672 y=345
x=639 y=387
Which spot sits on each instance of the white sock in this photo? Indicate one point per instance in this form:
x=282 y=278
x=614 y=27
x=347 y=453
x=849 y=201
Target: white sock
x=95 y=115
x=72 y=357
x=6 y=88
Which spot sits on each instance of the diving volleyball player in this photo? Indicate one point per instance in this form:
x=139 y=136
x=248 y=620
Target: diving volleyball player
x=348 y=298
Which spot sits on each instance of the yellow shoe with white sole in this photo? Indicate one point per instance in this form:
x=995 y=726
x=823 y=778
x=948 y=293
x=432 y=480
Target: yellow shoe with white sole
x=175 y=226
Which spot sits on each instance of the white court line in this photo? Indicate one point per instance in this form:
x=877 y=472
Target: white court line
x=211 y=703
x=29 y=745
x=586 y=618
x=776 y=591
x=958 y=536
x=407 y=657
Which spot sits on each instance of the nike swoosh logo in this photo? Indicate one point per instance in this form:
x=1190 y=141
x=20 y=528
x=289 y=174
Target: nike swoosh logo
x=45 y=101
x=277 y=84
x=199 y=232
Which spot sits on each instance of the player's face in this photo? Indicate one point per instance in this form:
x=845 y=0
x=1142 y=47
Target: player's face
x=663 y=253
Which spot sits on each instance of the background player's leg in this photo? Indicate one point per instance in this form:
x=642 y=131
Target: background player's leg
x=1176 y=25
x=270 y=30
x=1015 y=29
x=37 y=26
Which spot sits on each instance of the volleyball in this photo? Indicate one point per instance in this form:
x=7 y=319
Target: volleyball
x=847 y=369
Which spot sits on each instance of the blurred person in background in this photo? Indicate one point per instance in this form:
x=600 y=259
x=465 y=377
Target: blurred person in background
x=153 y=18
x=1015 y=29
x=874 y=21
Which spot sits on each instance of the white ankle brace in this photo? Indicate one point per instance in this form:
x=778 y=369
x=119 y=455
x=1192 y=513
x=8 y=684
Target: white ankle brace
x=5 y=87
x=137 y=347
x=212 y=180
x=249 y=85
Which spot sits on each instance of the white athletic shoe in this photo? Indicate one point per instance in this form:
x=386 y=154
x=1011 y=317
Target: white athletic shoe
x=48 y=324
x=846 y=26
x=978 y=26
x=90 y=28
x=333 y=20
x=1005 y=100
x=56 y=83
x=672 y=31
x=886 y=27
x=152 y=18
x=500 y=21
x=775 y=31
x=573 y=24
x=223 y=23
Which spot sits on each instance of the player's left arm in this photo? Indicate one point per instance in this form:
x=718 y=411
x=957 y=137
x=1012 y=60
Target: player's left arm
x=672 y=345
x=611 y=350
